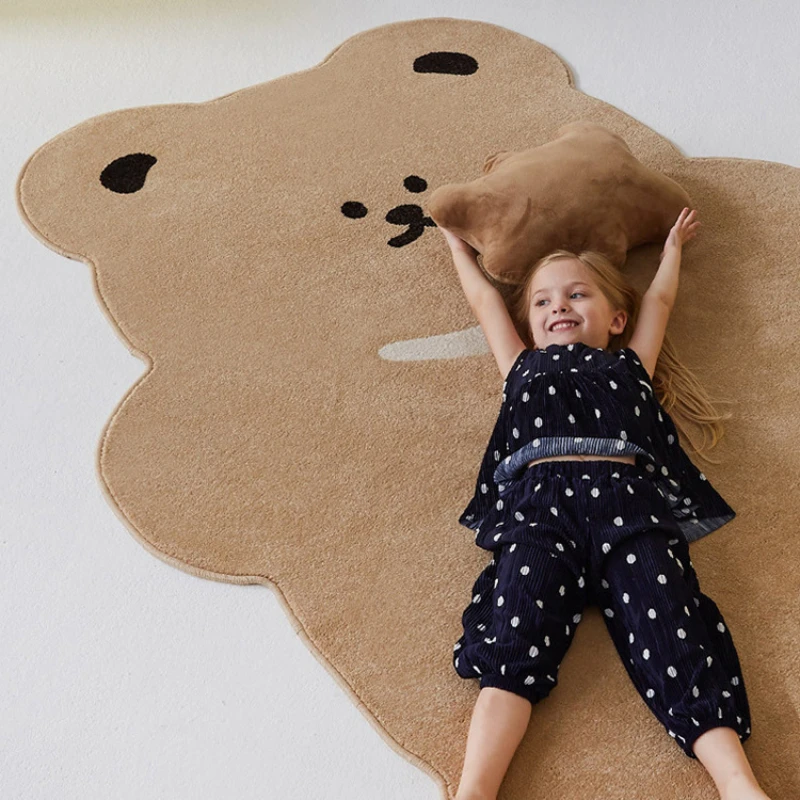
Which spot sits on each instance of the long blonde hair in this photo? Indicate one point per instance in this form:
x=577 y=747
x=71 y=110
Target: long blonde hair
x=675 y=386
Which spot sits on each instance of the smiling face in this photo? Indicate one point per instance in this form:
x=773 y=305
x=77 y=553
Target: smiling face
x=565 y=288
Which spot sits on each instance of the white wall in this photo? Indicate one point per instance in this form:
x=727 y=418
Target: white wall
x=121 y=676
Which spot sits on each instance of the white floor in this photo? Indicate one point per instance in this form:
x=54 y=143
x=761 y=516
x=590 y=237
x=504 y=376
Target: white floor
x=119 y=675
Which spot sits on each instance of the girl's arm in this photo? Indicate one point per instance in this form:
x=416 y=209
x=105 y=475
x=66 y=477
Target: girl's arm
x=474 y=283
x=487 y=304
x=665 y=283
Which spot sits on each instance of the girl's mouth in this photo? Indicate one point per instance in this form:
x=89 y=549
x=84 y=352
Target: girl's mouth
x=563 y=326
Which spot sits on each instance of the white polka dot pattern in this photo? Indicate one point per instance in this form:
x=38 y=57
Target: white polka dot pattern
x=644 y=585
x=581 y=400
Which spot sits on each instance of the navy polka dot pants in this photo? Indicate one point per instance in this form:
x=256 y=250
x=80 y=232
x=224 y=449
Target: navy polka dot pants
x=600 y=532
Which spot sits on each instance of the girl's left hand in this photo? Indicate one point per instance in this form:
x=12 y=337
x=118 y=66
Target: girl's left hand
x=683 y=230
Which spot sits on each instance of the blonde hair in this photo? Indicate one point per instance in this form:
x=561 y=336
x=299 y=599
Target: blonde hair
x=675 y=386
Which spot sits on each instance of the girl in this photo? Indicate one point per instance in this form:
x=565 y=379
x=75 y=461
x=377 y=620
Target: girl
x=585 y=496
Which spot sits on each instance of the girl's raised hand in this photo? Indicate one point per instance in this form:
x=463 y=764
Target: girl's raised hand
x=456 y=242
x=683 y=230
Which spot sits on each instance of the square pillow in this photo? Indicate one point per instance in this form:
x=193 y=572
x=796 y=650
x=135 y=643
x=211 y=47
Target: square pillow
x=584 y=190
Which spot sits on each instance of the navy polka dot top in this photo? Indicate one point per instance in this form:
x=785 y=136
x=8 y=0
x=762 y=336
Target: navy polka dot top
x=575 y=399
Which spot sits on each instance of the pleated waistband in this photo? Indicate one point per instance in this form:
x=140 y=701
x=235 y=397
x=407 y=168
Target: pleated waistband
x=577 y=470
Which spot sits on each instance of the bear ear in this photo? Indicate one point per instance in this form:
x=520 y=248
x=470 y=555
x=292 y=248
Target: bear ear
x=495 y=158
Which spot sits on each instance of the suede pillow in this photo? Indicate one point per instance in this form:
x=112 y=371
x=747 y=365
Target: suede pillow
x=584 y=190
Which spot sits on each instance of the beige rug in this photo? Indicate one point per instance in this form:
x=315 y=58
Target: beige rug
x=318 y=395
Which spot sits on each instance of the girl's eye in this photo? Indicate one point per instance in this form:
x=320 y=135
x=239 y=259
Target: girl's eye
x=580 y=293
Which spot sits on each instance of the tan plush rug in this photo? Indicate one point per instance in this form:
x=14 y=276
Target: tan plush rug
x=318 y=395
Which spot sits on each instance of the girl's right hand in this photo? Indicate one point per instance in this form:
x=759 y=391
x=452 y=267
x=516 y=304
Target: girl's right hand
x=456 y=242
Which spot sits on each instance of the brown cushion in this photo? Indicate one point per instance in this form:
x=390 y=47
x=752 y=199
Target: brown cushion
x=584 y=190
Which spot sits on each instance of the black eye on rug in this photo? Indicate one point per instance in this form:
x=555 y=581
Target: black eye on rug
x=127 y=174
